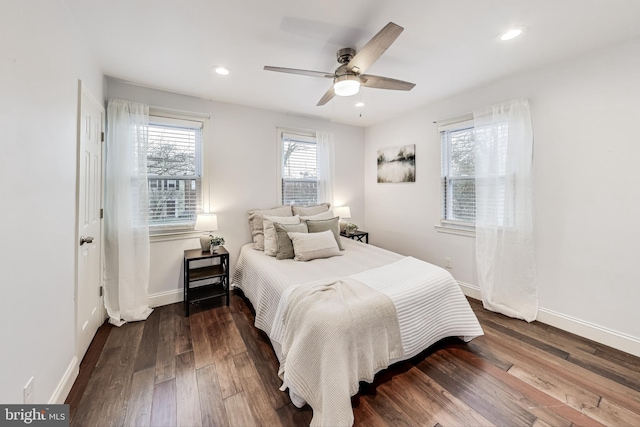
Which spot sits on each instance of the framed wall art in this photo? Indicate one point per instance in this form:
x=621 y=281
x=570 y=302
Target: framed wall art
x=397 y=164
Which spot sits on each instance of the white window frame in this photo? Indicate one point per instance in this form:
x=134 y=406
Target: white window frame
x=160 y=232
x=280 y=137
x=447 y=225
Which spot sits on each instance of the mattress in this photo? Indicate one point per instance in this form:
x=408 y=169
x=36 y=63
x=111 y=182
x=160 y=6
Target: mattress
x=426 y=312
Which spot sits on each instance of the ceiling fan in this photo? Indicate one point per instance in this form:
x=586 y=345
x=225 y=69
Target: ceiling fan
x=349 y=76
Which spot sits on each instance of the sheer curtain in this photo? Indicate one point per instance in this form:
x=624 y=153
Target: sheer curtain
x=504 y=209
x=126 y=213
x=324 y=144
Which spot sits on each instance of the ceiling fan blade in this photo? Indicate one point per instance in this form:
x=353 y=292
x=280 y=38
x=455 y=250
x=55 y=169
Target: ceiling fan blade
x=327 y=97
x=301 y=72
x=374 y=48
x=378 y=82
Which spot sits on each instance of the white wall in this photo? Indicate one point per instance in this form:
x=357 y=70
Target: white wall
x=587 y=150
x=41 y=60
x=241 y=159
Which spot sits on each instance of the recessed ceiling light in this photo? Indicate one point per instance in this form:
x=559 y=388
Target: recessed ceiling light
x=512 y=33
x=223 y=71
x=360 y=104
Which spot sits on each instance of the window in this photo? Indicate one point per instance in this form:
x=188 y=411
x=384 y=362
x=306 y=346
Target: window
x=174 y=169
x=299 y=168
x=458 y=174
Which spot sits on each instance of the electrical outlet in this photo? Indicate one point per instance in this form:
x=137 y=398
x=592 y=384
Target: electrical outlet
x=28 y=391
x=447 y=262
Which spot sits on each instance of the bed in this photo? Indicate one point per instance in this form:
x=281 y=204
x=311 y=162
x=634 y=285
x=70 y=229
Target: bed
x=429 y=304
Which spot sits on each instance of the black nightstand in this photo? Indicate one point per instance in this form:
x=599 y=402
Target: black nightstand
x=205 y=282
x=357 y=235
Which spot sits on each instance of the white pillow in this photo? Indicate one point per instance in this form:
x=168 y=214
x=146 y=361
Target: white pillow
x=323 y=215
x=310 y=210
x=313 y=246
x=270 y=237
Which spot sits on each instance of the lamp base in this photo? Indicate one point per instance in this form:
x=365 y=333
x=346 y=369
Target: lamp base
x=205 y=242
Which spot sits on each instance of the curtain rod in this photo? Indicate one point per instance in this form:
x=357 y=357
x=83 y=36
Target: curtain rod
x=452 y=120
x=185 y=114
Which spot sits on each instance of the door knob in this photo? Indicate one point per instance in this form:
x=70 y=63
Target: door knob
x=84 y=240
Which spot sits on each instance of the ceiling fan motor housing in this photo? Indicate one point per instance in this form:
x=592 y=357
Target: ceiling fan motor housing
x=345 y=55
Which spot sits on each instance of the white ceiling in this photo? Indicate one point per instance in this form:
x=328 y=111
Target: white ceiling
x=448 y=46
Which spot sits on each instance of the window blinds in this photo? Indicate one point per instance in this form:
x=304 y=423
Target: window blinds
x=299 y=169
x=174 y=170
x=458 y=181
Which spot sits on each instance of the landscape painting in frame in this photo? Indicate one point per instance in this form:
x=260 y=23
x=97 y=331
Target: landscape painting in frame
x=397 y=164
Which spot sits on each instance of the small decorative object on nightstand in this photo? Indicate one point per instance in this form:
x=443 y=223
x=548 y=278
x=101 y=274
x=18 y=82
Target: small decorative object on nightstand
x=350 y=228
x=216 y=242
x=357 y=235
x=208 y=281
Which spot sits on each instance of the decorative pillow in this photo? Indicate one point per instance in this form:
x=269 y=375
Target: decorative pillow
x=270 y=243
x=310 y=210
x=285 y=247
x=314 y=245
x=323 y=215
x=256 y=226
x=317 y=226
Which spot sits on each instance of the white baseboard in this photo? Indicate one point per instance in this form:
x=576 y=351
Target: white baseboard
x=596 y=333
x=64 y=386
x=471 y=291
x=166 y=298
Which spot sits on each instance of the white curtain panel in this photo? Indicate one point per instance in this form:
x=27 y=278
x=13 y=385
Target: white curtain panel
x=504 y=209
x=325 y=150
x=126 y=221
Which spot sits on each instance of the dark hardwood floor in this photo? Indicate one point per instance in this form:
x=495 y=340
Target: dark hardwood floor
x=216 y=369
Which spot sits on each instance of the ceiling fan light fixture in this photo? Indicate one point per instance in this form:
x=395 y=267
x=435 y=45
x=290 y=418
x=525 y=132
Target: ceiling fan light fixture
x=346 y=85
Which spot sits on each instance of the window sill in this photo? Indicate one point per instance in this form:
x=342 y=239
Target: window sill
x=456 y=230
x=174 y=235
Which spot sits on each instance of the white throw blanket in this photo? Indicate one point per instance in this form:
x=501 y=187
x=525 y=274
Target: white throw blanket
x=335 y=334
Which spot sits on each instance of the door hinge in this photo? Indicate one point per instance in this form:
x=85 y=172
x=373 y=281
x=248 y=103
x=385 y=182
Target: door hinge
x=101 y=136
x=101 y=291
x=101 y=213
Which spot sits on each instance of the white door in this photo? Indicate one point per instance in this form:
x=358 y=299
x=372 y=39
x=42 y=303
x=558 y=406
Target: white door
x=89 y=303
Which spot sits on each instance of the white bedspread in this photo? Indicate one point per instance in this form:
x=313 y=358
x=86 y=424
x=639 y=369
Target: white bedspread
x=429 y=302
x=263 y=279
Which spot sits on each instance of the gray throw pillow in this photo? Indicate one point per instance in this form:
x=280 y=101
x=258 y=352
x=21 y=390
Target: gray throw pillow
x=318 y=226
x=285 y=247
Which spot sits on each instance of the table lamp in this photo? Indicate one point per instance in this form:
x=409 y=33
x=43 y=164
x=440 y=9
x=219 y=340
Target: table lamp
x=208 y=223
x=344 y=213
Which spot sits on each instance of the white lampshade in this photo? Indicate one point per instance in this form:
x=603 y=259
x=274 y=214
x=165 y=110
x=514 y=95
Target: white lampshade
x=342 y=211
x=346 y=85
x=206 y=222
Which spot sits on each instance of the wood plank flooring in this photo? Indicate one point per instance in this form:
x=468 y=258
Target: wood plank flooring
x=216 y=369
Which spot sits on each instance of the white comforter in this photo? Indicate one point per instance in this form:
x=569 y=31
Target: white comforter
x=429 y=302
